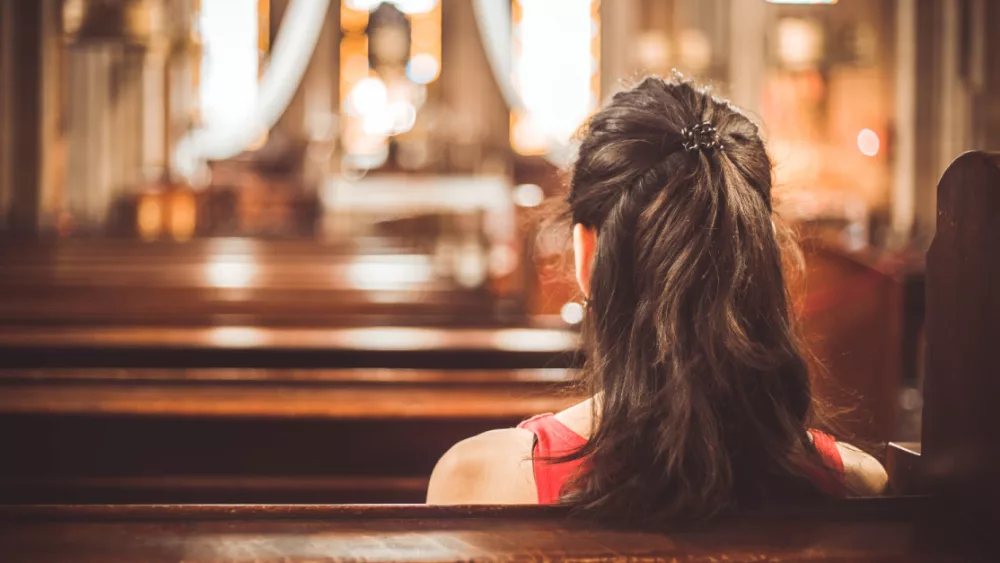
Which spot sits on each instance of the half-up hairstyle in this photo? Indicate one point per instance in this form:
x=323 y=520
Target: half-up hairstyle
x=702 y=390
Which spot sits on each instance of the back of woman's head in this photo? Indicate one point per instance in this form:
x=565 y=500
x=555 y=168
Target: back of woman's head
x=702 y=390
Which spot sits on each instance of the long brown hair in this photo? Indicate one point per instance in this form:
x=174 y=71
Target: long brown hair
x=702 y=388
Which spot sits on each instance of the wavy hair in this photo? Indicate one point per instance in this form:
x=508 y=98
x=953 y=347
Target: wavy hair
x=702 y=388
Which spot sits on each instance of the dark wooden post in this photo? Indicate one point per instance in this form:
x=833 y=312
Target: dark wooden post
x=961 y=427
x=22 y=116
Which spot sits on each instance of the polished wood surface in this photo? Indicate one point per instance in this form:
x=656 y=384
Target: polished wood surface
x=878 y=530
x=235 y=281
x=385 y=338
x=101 y=458
x=961 y=436
x=322 y=394
x=108 y=303
x=480 y=377
x=82 y=454
x=904 y=464
x=250 y=435
x=285 y=347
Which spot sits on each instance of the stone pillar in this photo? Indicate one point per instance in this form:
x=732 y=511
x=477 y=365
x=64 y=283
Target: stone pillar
x=619 y=27
x=747 y=53
x=904 y=164
x=951 y=94
x=988 y=103
x=477 y=120
x=316 y=98
x=105 y=129
x=6 y=107
x=21 y=118
x=311 y=115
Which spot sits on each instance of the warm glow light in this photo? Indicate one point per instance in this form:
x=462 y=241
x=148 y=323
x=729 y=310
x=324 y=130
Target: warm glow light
x=236 y=336
x=868 y=142
x=368 y=96
x=289 y=57
x=377 y=124
x=801 y=43
x=405 y=6
x=503 y=260
x=556 y=70
x=378 y=106
x=537 y=340
x=802 y=1
x=425 y=45
x=422 y=69
x=528 y=195
x=572 y=313
x=183 y=215
x=369 y=100
x=695 y=50
x=229 y=68
x=404 y=117
x=149 y=216
x=391 y=272
x=394 y=338
x=230 y=274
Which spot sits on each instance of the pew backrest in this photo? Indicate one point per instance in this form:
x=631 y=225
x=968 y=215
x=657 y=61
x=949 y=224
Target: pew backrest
x=961 y=429
x=884 y=530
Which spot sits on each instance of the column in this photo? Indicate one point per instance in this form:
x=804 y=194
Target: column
x=619 y=26
x=904 y=165
x=21 y=171
x=747 y=52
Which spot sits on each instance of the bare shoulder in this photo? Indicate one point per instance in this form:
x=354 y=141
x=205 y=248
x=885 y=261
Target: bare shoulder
x=863 y=474
x=491 y=468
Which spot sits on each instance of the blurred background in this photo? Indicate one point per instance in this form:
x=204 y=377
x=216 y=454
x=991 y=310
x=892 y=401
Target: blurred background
x=227 y=223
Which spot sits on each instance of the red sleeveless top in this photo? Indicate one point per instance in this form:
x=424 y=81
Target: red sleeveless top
x=554 y=439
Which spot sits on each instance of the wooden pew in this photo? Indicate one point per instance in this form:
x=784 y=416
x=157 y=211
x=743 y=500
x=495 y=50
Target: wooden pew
x=286 y=347
x=854 y=322
x=241 y=435
x=111 y=404
x=959 y=463
x=961 y=432
x=955 y=521
x=957 y=460
x=112 y=303
x=247 y=303
x=237 y=281
x=872 y=530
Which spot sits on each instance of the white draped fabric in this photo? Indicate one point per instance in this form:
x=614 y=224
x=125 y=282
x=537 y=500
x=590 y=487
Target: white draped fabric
x=293 y=48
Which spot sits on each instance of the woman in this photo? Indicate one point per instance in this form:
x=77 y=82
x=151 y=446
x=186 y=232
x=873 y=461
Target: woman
x=699 y=390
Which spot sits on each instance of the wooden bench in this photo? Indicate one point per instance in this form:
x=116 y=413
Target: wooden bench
x=961 y=432
x=280 y=304
x=955 y=520
x=242 y=435
x=286 y=347
x=901 y=530
x=957 y=464
x=853 y=316
x=237 y=281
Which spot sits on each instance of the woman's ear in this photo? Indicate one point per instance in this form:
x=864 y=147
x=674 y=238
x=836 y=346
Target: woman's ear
x=584 y=246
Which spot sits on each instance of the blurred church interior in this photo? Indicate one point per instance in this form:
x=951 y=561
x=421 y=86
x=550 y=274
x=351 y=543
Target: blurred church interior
x=291 y=250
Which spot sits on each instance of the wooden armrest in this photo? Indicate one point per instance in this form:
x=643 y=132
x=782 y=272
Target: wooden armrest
x=903 y=464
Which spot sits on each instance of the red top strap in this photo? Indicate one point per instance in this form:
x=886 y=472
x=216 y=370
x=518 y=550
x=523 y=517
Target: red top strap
x=554 y=439
x=829 y=479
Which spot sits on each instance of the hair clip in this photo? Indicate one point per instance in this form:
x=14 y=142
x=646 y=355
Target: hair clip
x=701 y=137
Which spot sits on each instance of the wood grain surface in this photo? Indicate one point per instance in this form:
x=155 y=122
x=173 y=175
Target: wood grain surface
x=881 y=530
